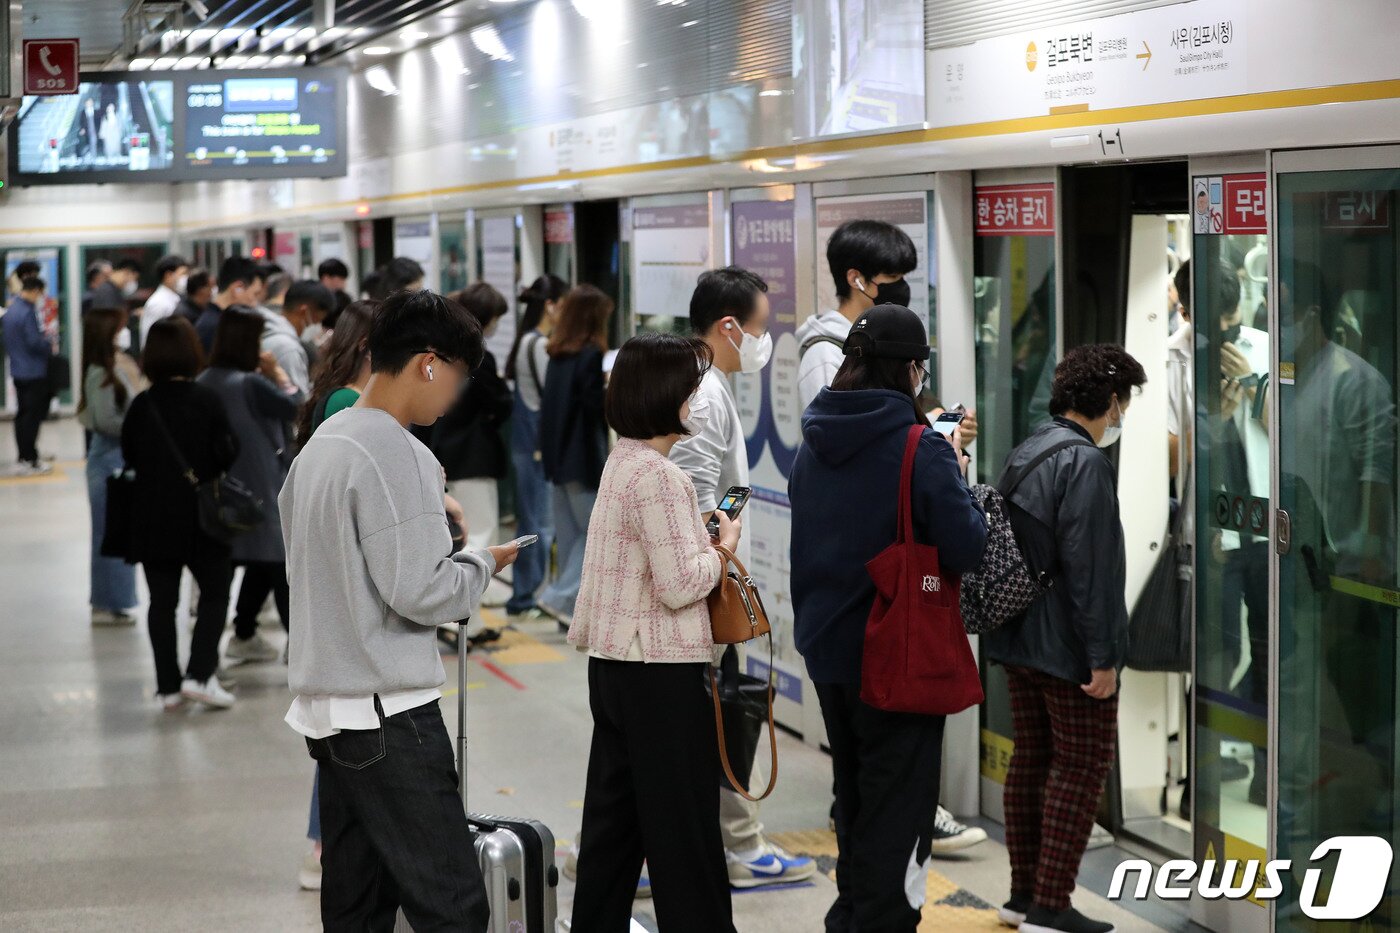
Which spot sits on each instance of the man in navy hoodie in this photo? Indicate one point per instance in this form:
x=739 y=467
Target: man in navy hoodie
x=846 y=477
x=30 y=351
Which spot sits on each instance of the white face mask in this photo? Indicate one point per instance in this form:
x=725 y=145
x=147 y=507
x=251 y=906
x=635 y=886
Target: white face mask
x=129 y=288
x=182 y=283
x=699 y=415
x=123 y=340
x=1114 y=432
x=754 y=352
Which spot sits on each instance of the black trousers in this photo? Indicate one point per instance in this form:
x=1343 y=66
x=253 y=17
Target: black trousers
x=32 y=397
x=260 y=578
x=887 y=768
x=653 y=795
x=213 y=574
x=393 y=829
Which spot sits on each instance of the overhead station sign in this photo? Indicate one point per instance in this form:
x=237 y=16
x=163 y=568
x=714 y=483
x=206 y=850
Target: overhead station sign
x=262 y=122
x=1181 y=52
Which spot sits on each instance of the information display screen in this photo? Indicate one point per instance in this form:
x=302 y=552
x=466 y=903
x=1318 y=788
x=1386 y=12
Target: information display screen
x=283 y=125
x=184 y=126
x=119 y=129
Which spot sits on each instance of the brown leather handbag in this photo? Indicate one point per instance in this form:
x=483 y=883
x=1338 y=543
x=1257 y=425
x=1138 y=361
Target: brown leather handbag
x=737 y=616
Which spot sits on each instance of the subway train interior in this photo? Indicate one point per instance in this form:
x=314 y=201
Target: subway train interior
x=1214 y=185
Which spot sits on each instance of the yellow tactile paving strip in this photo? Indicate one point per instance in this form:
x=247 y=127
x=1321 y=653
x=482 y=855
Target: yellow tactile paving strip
x=516 y=647
x=57 y=476
x=948 y=907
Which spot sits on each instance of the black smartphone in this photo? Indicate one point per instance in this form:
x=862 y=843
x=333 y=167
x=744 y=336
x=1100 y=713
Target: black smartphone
x=948 y=422
x=732 y=504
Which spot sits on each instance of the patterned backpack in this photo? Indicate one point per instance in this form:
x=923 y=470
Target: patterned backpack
x=1004 y=586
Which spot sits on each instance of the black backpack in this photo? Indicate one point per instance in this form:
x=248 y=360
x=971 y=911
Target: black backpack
x=1004 y=586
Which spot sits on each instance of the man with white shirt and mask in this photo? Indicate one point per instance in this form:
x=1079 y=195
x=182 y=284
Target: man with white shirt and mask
x=172 y=271
x=729 y=311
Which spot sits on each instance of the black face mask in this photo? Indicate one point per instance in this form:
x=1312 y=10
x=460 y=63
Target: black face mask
x=892 y=293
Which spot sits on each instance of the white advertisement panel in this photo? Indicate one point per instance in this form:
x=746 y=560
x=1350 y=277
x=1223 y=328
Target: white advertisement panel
x=498 y=271
x=413 y=239
x=858 y=66
x=670 y=248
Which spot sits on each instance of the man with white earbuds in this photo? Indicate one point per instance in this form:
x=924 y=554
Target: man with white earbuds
x=729 y=311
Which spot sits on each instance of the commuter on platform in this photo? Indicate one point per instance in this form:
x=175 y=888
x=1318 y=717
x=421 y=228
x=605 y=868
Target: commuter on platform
x=276 y=283
x=729 y=311
x=177 y=414
x=642 y=618
x=534 y=512
x=261 y=402
x=171 y=272
x=125 y=279
x=344 y=371
x=1063 y=656
x=868 y=260
x=574 y=434
x=341 y=378
x=197 y=300
x=403 y=274
x=887 y=765
x=335 y=275
x=30 y=350
x=302 y=303
x=372 y=576
x=240 y=282
x=467 y=440
x=111 y=380
x=99 y=292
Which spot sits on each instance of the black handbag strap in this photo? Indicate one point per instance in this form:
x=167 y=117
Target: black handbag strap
x=1011 y=483
x=180 y=461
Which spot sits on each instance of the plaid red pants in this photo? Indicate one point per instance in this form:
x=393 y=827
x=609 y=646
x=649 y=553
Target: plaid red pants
x=1065 y=744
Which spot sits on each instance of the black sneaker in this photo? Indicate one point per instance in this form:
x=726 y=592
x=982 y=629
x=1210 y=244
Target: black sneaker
x=1043 y=920
x=1013 y=912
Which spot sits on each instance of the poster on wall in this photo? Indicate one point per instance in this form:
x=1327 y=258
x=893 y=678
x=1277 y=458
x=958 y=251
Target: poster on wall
x=907 y=211
x=858 y=66
x=498 y=270
x=764 y=242
x=670 y=248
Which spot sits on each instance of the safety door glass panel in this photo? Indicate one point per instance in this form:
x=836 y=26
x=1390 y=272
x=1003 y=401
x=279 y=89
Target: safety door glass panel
x=1229 y=440
x=1014 y=301
x=1338 y=272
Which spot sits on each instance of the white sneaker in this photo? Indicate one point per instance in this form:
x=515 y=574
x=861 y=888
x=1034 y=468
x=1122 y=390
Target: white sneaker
x=255 y=648
x=104 y=617
x=772 y=866
x=310 y=875
x=950 y=836
x=210 y=693
x=170 y=701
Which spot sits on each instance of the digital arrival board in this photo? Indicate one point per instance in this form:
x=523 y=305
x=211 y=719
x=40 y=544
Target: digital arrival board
x=282 y=125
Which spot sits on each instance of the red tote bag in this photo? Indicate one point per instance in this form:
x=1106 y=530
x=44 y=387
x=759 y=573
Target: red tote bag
x=917 y=657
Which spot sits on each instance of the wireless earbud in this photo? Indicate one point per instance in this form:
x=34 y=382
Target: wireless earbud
x=430 y=374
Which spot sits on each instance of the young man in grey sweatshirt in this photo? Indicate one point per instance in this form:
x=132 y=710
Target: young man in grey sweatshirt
x=372 y=575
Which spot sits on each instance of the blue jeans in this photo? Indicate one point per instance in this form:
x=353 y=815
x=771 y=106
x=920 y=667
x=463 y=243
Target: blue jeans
x=534 y=513
x=573 y=504
x=113 y=579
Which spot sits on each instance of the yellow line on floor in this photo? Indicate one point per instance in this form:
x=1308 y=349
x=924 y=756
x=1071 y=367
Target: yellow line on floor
x=57 y=476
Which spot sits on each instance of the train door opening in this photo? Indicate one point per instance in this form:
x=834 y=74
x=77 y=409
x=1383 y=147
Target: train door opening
x=598 y=258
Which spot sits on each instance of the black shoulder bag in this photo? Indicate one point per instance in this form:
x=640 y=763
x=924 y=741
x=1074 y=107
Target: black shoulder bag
x=227 y=508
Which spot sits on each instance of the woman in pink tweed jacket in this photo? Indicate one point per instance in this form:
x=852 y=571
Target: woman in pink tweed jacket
x=653 y=786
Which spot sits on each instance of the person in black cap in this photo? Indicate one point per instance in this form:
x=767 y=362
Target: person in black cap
x=846 y=476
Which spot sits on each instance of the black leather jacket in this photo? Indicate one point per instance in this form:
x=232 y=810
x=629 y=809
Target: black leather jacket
x=1081 y=624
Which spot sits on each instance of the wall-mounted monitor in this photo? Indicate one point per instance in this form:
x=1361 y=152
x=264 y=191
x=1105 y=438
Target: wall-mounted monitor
x=264 y=125
x=177 y=126
x=118 y=127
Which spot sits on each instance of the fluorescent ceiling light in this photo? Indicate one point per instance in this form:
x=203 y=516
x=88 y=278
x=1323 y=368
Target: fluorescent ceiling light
x=140 y=64
x=771 y=92
x=377 y=50
x=688 y=23
x=447 y=55
x=190 y=61
x=161 y=64
x=379 y=79
x=489 y=43
x=413 y=35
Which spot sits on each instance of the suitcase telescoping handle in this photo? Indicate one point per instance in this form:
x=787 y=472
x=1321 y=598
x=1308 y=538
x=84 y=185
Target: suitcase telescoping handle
x=462 y=710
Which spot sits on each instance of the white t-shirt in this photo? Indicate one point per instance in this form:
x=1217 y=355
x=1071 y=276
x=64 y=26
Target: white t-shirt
x=160 y=305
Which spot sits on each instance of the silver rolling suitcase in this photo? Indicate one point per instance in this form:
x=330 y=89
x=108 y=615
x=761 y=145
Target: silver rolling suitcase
x=516 y=855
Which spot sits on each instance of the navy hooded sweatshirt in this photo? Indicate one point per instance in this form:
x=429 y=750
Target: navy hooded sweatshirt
x=844 y=490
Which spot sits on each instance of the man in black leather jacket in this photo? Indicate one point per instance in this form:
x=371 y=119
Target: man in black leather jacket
x=1062 y=658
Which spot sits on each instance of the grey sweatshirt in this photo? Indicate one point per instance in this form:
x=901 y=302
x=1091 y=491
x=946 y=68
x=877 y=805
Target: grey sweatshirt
x=367 y=560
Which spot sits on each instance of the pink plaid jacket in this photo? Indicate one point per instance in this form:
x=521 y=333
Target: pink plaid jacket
x=648 y=565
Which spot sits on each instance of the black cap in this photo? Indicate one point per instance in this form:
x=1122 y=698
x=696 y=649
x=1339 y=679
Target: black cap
x=888 y=331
